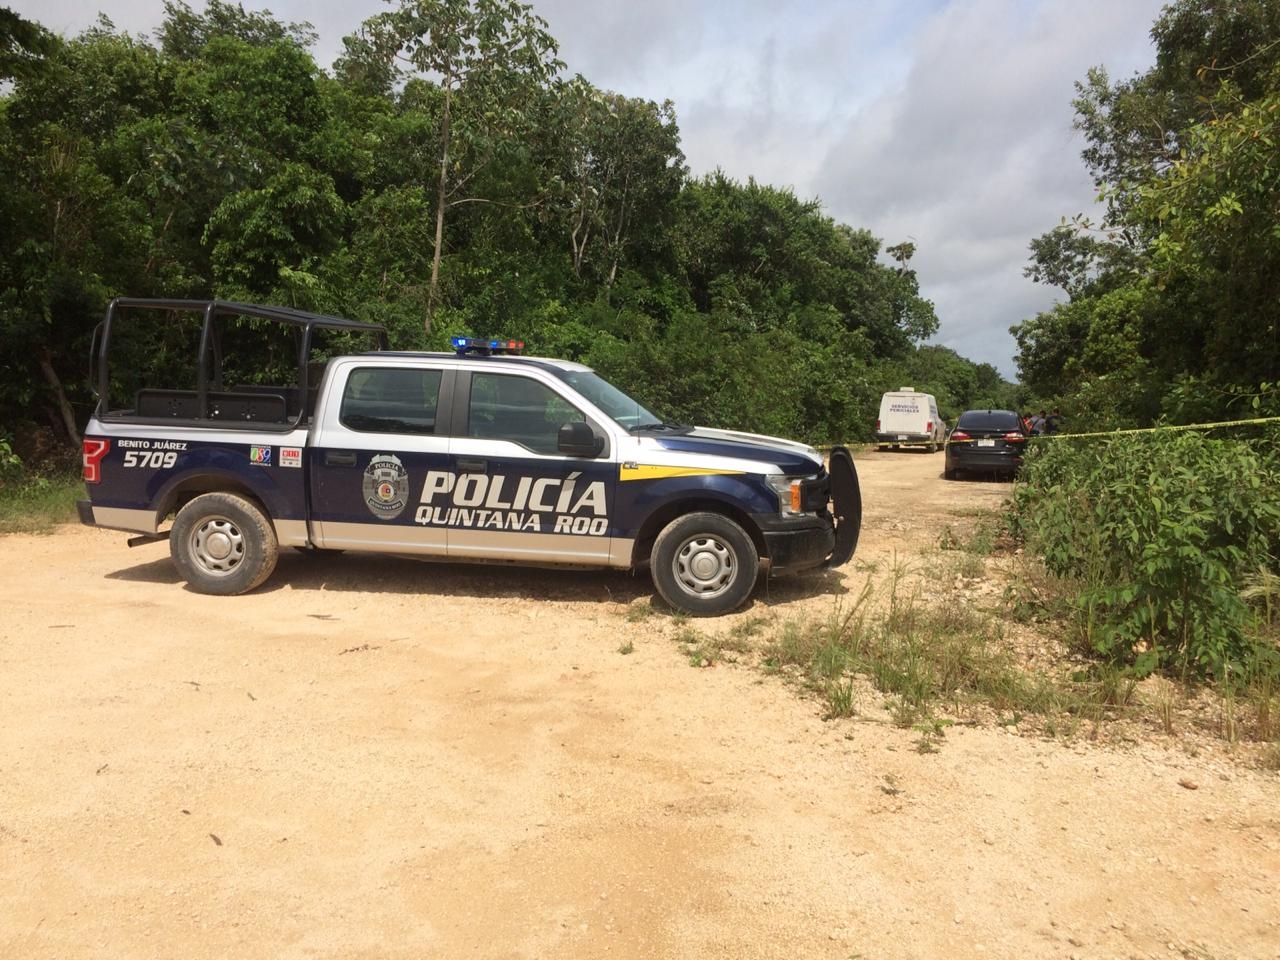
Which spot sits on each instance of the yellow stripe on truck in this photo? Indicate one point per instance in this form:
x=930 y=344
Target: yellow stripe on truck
x=650 y=471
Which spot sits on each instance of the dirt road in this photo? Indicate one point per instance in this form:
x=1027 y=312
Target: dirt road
x=383 y=758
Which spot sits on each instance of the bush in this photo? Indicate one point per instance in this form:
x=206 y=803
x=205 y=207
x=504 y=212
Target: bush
x=10 y=463
x=1160 y=532
x=37 y=504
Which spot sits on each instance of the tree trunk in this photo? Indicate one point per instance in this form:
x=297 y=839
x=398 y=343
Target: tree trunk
x=580 y=249
x=155 y=247
x=441 y=194
x=617 y=233
x=64 y=406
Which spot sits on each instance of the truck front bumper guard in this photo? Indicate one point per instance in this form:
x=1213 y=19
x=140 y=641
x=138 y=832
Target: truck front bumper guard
x=829 y=534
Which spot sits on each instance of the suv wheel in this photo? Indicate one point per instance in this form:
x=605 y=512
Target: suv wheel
x=704 y=564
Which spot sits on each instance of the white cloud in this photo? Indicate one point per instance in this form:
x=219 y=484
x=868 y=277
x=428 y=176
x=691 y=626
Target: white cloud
x=973 y=154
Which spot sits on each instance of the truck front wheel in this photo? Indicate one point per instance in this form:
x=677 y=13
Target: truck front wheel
x=222 y=544
x=704 y=564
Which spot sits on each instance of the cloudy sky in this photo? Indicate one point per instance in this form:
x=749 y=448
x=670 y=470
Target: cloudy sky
x=943 y=122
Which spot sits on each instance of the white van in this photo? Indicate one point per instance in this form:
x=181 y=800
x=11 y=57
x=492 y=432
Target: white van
x=910 y=419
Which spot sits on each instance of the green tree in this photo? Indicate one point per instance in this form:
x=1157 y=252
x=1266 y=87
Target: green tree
x=1137 y=127
x=621 y=170
x=488 y=58
x=23 y=44
x=1218 y=246
x=70 y=233
x=1177 y=289
x=184 y=34
x=759 y=253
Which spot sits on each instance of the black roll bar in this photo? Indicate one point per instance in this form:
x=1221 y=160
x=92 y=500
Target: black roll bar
x=303 y=320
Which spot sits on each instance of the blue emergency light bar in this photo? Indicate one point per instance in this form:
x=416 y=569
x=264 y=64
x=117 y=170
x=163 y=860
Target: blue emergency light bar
x=465 y=345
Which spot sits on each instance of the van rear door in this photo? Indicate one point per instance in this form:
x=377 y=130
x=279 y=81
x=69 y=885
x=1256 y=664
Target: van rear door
x=903 y=415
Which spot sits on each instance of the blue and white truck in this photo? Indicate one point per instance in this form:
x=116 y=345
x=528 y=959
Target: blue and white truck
x=477 y=455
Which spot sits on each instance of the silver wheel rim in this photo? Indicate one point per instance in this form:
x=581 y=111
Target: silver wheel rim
x=217 y=545
x=705 y=566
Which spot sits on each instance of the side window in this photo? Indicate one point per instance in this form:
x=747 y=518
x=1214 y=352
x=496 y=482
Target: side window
x=519 y=409
x=391 y=400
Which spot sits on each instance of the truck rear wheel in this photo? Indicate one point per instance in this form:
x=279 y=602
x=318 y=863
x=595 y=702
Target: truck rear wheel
x=222 y=544
x=704 y=564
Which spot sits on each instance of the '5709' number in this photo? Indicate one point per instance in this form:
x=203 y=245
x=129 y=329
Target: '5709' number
x=150 y=458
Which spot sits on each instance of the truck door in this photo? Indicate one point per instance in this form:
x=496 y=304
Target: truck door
x=371 y=457
x=512 y=493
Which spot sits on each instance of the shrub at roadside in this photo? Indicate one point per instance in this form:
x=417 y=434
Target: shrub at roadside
x=33 y=502
x=38 y=504
x=1160 y=533
x=10 y=464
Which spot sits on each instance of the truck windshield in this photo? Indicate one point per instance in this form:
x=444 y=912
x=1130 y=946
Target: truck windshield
x=608 y=398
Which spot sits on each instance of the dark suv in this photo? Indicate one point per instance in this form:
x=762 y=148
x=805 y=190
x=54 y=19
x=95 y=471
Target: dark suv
x=985 y=441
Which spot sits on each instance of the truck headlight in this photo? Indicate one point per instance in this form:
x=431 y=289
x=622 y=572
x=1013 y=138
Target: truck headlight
x=788 y=491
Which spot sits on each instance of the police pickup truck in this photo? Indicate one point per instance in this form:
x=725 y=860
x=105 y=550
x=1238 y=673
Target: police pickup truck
x=477 y=455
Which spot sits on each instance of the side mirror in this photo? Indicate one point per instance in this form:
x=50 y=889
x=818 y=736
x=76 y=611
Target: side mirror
x=577 y=439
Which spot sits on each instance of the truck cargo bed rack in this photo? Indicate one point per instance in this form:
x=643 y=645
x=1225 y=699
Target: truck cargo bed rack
x=243 y=403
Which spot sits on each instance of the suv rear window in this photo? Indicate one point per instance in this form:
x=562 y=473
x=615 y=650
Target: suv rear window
x=1002 y=420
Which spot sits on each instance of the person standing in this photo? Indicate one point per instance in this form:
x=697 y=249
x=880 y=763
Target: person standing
x=1037 y=424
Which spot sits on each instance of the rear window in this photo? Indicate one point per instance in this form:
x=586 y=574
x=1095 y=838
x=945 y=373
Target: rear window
x=391 y=400
x=1004 y=420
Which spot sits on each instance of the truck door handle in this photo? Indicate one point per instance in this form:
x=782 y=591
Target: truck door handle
x=467 y=465
x=333 y=458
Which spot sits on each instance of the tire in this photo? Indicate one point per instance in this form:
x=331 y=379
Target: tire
x=704 y=564
x=950 y=473
x=933 y=446
x=223 y=545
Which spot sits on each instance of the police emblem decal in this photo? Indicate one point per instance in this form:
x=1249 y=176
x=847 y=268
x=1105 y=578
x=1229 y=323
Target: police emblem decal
x=386 y=486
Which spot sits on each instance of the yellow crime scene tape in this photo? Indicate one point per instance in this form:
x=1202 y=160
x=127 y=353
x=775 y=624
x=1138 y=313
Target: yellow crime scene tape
x=1134 y=430
x=1119 y=433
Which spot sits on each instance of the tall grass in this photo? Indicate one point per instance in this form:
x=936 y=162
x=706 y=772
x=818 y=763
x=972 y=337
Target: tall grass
x=37 y=504
x=922 y=655
x=932 y=657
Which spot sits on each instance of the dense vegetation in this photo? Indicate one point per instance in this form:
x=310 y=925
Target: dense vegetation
x=444 y=177
x=1172 y=307
x=1167 y=542
x=1164 y=544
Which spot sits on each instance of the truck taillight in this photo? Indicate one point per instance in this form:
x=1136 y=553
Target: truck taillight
x=877 y=426
x=928 y=427
x=94 y=451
